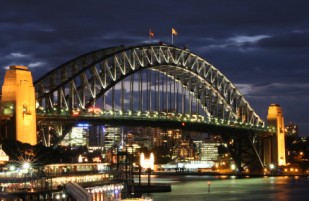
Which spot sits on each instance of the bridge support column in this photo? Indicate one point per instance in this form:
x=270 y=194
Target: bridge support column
x=276 y=153
x=18 y=100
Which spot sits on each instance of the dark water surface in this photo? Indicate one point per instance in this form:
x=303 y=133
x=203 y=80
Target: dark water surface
x=196 y=188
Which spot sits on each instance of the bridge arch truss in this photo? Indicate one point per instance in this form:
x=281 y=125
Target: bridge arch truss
x=157 y=78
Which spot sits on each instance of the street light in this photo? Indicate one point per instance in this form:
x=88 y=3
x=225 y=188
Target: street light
x=233 y=167
x=26 y=165
x=272 y=167
x=12 y=168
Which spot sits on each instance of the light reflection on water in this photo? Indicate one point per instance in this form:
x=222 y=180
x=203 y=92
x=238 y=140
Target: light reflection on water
x=232 y=189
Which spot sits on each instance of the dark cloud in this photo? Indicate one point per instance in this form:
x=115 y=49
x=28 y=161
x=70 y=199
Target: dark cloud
x=261 y=46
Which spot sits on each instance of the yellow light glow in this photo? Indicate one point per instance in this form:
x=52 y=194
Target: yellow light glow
x=275 y=120
x=147 y=163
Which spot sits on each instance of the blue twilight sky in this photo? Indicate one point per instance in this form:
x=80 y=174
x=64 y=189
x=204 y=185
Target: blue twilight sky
x=262 y=46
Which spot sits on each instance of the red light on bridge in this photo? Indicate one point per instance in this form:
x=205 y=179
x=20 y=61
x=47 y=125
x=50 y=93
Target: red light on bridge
x=183 y=124
x=94 y=110
x=75 y=113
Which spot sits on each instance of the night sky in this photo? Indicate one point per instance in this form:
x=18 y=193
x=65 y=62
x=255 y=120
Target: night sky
x=262 y=46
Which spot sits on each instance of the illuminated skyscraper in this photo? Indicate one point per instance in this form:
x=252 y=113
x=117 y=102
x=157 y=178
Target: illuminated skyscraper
x=112 y=137
x=18 y=100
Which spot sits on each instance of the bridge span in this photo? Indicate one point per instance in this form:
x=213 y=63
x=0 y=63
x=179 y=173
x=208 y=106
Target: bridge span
x=152 y=85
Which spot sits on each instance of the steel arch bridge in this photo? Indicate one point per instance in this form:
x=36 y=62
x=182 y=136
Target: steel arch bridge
x=154 y=81
x=79 y=83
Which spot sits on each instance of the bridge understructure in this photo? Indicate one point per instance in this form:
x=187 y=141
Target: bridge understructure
x=150 y=85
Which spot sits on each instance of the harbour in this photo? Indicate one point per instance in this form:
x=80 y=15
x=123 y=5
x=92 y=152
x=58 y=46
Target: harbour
x=232 y=188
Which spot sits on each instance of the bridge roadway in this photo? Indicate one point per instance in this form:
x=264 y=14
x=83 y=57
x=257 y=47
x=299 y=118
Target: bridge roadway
x=162 y=122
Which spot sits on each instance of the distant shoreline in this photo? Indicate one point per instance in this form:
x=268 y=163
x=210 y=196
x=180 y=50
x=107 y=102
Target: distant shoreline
x=220 y=174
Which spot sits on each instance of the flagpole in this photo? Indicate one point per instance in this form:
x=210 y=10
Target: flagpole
x=149 y=36
x=173 y=33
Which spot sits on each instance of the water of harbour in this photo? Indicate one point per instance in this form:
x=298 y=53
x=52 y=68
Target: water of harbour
x=229 y=188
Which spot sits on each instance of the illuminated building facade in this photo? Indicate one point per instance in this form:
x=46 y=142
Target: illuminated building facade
x=209 y=150
x=275 y=150
x=291 y=130
x=18 y=101
x=52 y=185
x=184 y=151
x=112 y=137
x=155 y=135
x=78 y=136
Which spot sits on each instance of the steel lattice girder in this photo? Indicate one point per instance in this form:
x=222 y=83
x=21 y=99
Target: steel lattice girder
x=245 y=150
x=81 y=81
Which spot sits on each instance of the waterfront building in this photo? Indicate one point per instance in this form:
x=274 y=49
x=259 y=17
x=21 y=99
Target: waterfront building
x=209 y=150
x=49 y=182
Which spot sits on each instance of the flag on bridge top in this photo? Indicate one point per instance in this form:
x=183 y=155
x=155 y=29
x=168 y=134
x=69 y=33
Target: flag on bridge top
x=151 y=33
x=174 y=32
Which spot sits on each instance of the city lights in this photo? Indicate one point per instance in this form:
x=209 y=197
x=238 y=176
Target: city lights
x=147 y=163
x=26 y=165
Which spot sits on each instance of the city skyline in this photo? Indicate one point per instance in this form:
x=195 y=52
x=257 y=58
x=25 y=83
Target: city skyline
x=260 y=46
